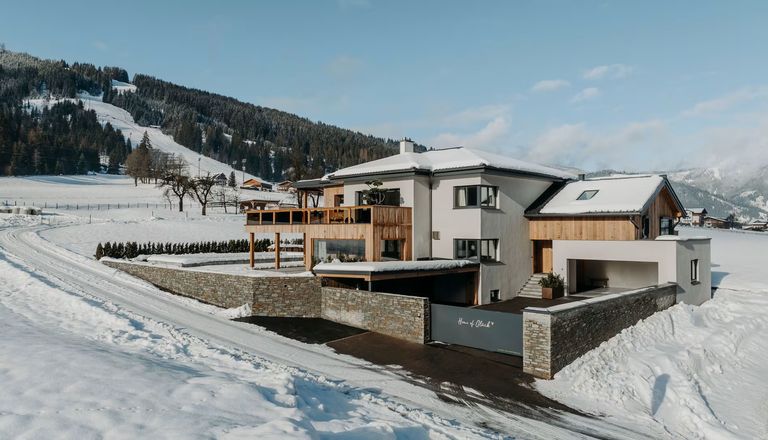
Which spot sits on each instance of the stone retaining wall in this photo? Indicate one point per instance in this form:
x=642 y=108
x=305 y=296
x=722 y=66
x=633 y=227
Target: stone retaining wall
x=268 y=296
x=554 y=337
x=400 y=316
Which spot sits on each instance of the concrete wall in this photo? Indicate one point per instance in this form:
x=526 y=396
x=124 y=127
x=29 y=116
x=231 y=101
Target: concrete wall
x=554 y=337
x=414 y=193
x=268 y=296
x=509 y=225
x=403 y=317
x=625 y=274
x=672 y=254
x=449 y=222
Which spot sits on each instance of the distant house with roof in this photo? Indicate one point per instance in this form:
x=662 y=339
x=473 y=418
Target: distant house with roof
x=256 y=185
x=756 y=225
x=220 y=179
x=696 y=216
x=716 y=222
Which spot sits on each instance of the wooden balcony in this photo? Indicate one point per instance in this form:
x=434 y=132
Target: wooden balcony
x=343 y=215
x=373 y=224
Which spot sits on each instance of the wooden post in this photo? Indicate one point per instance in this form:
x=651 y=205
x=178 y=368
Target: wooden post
x=277 y=250
x=250 y=249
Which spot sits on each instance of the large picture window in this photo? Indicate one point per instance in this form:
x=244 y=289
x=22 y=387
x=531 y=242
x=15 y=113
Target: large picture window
x=475 y=196
x=389 y=197
x=484 y=250
x=326 y=251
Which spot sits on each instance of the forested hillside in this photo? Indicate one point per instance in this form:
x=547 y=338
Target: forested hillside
x=63 y=139
x=275 y=145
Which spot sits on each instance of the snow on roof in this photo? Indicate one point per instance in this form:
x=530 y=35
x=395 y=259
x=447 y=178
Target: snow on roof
x=267 y=196
x=697 y=210
x=391 y=266
x=615 y=194
x=446 y=160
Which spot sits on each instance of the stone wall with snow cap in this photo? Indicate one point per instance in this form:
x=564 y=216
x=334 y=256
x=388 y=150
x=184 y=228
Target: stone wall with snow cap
x=553 y=337
x=399 y=316
x=278 y=296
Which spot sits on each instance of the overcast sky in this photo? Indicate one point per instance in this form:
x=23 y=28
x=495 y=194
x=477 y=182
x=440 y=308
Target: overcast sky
x=627 y=85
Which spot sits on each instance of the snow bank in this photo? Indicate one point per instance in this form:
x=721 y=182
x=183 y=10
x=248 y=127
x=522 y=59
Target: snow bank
x=392 y=266
x=696 y=372
x=117 y=374
x=202 y=259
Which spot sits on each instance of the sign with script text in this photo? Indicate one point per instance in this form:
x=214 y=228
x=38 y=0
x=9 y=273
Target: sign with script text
x=478 y=328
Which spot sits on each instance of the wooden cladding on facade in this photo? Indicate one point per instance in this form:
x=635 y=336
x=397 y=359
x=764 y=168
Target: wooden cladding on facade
x=330 y=195
x=582 y=228
x=615 y=227
x=371 y=224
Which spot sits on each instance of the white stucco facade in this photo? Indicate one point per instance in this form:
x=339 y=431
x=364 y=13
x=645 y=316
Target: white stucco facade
x=671 y=255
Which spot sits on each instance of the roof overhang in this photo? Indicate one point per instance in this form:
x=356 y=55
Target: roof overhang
x=337 y=271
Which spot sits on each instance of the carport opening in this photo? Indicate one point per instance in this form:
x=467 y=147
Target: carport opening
x=586 y=275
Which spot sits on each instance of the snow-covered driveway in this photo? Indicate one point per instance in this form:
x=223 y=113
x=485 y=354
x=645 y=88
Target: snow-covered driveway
x=90 y=352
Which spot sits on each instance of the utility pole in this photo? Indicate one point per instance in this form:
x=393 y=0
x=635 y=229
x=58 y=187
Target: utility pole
x=242 y=168
x=198 y=166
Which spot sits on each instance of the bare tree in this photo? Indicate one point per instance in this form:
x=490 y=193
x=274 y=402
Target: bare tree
x=178 y=185
x=202 y=189
x=226 y=196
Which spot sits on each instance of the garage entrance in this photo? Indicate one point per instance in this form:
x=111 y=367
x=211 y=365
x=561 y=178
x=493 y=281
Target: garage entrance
x=585 y=275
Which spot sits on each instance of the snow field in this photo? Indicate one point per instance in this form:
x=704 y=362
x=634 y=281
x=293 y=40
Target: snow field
x=122 y=375
x=696 y=372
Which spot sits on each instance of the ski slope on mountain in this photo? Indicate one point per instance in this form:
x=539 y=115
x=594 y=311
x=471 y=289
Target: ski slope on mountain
x=123 y=121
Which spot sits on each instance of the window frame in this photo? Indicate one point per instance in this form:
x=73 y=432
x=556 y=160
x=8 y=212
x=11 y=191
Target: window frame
x=695 y=271
x=479 y=243
x=588 y=194
x=477 y=191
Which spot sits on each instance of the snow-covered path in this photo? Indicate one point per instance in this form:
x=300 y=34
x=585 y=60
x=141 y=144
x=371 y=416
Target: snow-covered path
x=121 y=319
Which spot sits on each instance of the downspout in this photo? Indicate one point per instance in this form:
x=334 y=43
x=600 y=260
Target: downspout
x=430 y=217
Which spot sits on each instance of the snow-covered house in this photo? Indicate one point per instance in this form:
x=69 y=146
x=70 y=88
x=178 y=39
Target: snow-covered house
x=220 y=179
x=756 y=225
x=716 y=222
x=696 y=216
x=507 y=219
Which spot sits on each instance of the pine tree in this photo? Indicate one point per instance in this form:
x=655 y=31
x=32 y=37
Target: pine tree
x=99 y=252
x=232 y=183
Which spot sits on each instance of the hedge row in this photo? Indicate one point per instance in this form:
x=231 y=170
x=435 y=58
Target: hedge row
x=133 y=249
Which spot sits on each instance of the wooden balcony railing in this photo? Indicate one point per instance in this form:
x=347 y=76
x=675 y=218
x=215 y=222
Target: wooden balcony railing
x=368 y=214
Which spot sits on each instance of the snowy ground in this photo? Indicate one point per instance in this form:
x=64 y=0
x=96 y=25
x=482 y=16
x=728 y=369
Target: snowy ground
x=90 y=352
x=695 y=372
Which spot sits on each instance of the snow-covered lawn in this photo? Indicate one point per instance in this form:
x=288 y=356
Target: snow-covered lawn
x=697 y=372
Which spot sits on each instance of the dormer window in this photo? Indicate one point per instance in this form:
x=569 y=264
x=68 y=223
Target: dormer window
x=586 y=195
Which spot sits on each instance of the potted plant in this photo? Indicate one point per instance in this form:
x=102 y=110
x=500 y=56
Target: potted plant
x=552 y=286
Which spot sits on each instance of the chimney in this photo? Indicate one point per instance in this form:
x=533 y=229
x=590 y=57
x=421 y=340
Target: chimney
x=582 y=176
x=406 y=146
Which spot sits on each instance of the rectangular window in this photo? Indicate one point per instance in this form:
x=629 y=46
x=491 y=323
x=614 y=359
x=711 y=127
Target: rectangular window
x=338 y=199
x=483 y=250
x=695 y=271
x=666 y=226
x=475 y=196
x=495 y=295
x=326 y=251
x=391 y=250
x=387 y=197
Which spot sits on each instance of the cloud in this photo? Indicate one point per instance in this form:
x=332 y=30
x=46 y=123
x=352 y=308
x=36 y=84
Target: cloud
x=586 y=95
x=477 y=114
x=490 y=135
x=344 y=66
x=609 y=71
x=577 y=145
x=98 y=44
x=727 y=101
x=549 y=85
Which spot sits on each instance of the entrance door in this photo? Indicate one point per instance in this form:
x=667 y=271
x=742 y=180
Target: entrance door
x=542 y=256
